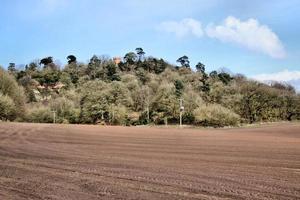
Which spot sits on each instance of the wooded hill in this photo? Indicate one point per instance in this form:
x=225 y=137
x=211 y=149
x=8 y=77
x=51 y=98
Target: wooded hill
x=138 y=90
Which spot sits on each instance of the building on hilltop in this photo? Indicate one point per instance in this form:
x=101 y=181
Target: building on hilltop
x=117 y=60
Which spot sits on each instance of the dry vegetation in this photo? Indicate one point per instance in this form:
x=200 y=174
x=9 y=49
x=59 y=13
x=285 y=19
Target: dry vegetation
x=139 y=90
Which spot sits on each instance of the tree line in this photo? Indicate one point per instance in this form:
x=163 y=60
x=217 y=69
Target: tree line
x=139 y=89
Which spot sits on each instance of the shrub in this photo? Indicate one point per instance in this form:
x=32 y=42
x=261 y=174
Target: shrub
x=215 y=115
x=7 y=108
x=39 y=114
x=143 y=118
x=133 y=118
x=118 y=115
x=188 y=118
x=73 y=116
x=158 y=117
x=165 y=102
x=66 y=112
x=99 y=99
x=9 y=87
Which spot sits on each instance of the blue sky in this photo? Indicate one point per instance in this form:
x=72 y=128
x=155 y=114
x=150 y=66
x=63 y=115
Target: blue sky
x=257 y=38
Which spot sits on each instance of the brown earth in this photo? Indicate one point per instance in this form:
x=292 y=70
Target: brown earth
x=42 y=161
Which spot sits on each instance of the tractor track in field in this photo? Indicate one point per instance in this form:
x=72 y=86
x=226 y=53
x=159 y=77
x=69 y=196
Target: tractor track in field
x=45 y=161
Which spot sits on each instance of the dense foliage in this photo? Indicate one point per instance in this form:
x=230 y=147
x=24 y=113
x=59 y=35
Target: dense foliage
x=139 y=90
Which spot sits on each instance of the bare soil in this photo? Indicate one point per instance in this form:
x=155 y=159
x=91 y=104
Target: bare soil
x=44 y=161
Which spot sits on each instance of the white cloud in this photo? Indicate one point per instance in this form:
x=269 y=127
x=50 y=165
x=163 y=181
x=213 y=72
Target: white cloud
x=291 y=77
x=284 y=75
x=296 y=84
x=183 y=28
x=250 y=34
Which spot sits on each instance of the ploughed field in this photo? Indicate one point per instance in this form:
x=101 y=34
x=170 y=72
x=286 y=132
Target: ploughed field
x=44 y=161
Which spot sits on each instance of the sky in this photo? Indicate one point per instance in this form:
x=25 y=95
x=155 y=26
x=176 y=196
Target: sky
x=259 y=39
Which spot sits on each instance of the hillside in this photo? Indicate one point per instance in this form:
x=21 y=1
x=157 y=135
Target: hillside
x=136 y=90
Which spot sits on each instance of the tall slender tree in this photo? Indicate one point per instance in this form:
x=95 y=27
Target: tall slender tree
x=71 y=59
x=12 y=69
x=200 y=67
x=140 y=52
x=184 y=61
